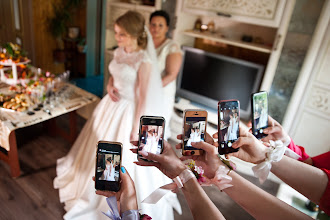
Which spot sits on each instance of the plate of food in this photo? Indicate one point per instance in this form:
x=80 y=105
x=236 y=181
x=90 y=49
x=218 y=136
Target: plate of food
x=19 y=102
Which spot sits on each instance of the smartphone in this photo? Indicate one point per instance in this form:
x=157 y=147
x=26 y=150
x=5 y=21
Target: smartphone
x=194 y=130
x=151 y=135
x=228 y=125
x=259 y=108
x=108 y=163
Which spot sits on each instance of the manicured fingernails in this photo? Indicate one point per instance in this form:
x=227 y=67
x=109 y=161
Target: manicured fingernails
x=123 y=170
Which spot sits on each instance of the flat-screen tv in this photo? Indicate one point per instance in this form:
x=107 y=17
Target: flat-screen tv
x=206 y=78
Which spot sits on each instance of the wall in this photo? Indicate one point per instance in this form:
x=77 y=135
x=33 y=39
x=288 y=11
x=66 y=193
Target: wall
x=44 y=43
x=300 y=32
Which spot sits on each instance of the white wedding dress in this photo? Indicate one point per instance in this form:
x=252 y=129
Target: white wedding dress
x=111 y=121
x=168 y=47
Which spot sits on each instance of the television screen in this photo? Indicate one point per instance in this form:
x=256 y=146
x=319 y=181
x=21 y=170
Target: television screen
x=207 y=78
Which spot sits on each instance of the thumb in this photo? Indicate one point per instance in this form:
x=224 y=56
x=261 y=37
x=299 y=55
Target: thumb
x=125 y=178
x=211 y=149
x=241 y=141
x=271 y=130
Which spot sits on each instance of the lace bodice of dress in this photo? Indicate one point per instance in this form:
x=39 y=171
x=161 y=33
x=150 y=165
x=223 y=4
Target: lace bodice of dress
x=124 y=68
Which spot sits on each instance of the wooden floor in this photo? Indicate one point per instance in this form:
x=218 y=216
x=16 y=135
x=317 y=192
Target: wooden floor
x=32 y=196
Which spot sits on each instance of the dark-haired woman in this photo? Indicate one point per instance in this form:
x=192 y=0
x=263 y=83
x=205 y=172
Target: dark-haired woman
x=169 y=60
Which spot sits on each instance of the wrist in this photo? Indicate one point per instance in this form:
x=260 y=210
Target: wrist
x=184 y=177
x=180 y=169
x=128 y=203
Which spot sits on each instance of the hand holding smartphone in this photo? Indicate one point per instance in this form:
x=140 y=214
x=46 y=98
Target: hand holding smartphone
x=259 y=103
x=151 y=135
x=228 y=125
x=194 y=130
x=108 y=163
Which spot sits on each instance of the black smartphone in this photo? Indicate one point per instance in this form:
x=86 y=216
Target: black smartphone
x=259 y=108
x=151 y=135
x=228 y=125
x=108 y=163
x=194 y=129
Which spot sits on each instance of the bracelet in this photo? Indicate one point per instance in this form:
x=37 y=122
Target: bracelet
x=183 y=177
x=274 y=154
x=229 y=164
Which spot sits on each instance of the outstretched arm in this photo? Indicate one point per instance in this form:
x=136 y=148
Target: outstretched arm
x=199 y=203
x=291 y=171
x=308 y=180
x=260 y=204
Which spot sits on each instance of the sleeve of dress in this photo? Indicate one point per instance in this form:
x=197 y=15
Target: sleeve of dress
x=298 y=150
x=322 y=161
x=174 y=48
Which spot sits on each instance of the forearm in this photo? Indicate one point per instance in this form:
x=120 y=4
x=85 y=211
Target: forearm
x=168 y=78
x=173 y=63
x=308 y=180
x=128 y=203
x=199 y=203
x=110 y=82
x=139 y=111
x=258 y=203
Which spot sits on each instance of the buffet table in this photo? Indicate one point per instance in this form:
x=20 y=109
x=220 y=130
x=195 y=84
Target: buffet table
x=72 y=98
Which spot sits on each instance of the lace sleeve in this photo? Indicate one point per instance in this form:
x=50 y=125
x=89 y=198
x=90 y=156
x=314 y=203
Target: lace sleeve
x=174 y=48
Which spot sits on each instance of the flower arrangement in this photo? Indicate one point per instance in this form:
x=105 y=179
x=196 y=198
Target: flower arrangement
x=197 y=171
x=12 y=53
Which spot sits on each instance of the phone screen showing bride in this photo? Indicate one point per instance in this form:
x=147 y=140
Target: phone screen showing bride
x=228 y=125
x=151 y=134
x=259 y=114
x=108 y=161
x=194 y=131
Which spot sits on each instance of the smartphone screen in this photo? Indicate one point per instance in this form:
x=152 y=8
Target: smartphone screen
x=151 y=135
x=108 y=162
x=194 y=129
x=228 y=125
x=259 y=114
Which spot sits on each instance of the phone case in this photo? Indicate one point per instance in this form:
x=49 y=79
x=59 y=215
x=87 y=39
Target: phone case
x=194 y=133
x=228 y=130
x=151 y=135
x=106 y=178
x=262 y=119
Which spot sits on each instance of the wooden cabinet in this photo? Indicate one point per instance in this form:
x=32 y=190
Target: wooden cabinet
x=267 y=26
x=264 y=22
x=259 y=12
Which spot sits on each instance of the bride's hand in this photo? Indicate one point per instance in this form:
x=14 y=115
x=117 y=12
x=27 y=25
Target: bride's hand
x=113 y=93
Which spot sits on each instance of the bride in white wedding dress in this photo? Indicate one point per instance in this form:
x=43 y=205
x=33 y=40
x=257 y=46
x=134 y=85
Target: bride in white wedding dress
x=116 y=118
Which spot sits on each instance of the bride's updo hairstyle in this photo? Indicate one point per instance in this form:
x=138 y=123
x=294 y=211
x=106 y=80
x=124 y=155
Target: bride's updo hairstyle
x=133 y=23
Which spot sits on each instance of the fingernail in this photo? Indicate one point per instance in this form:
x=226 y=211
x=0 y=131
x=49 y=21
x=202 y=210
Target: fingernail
x=123 y=170
x=143 y=153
